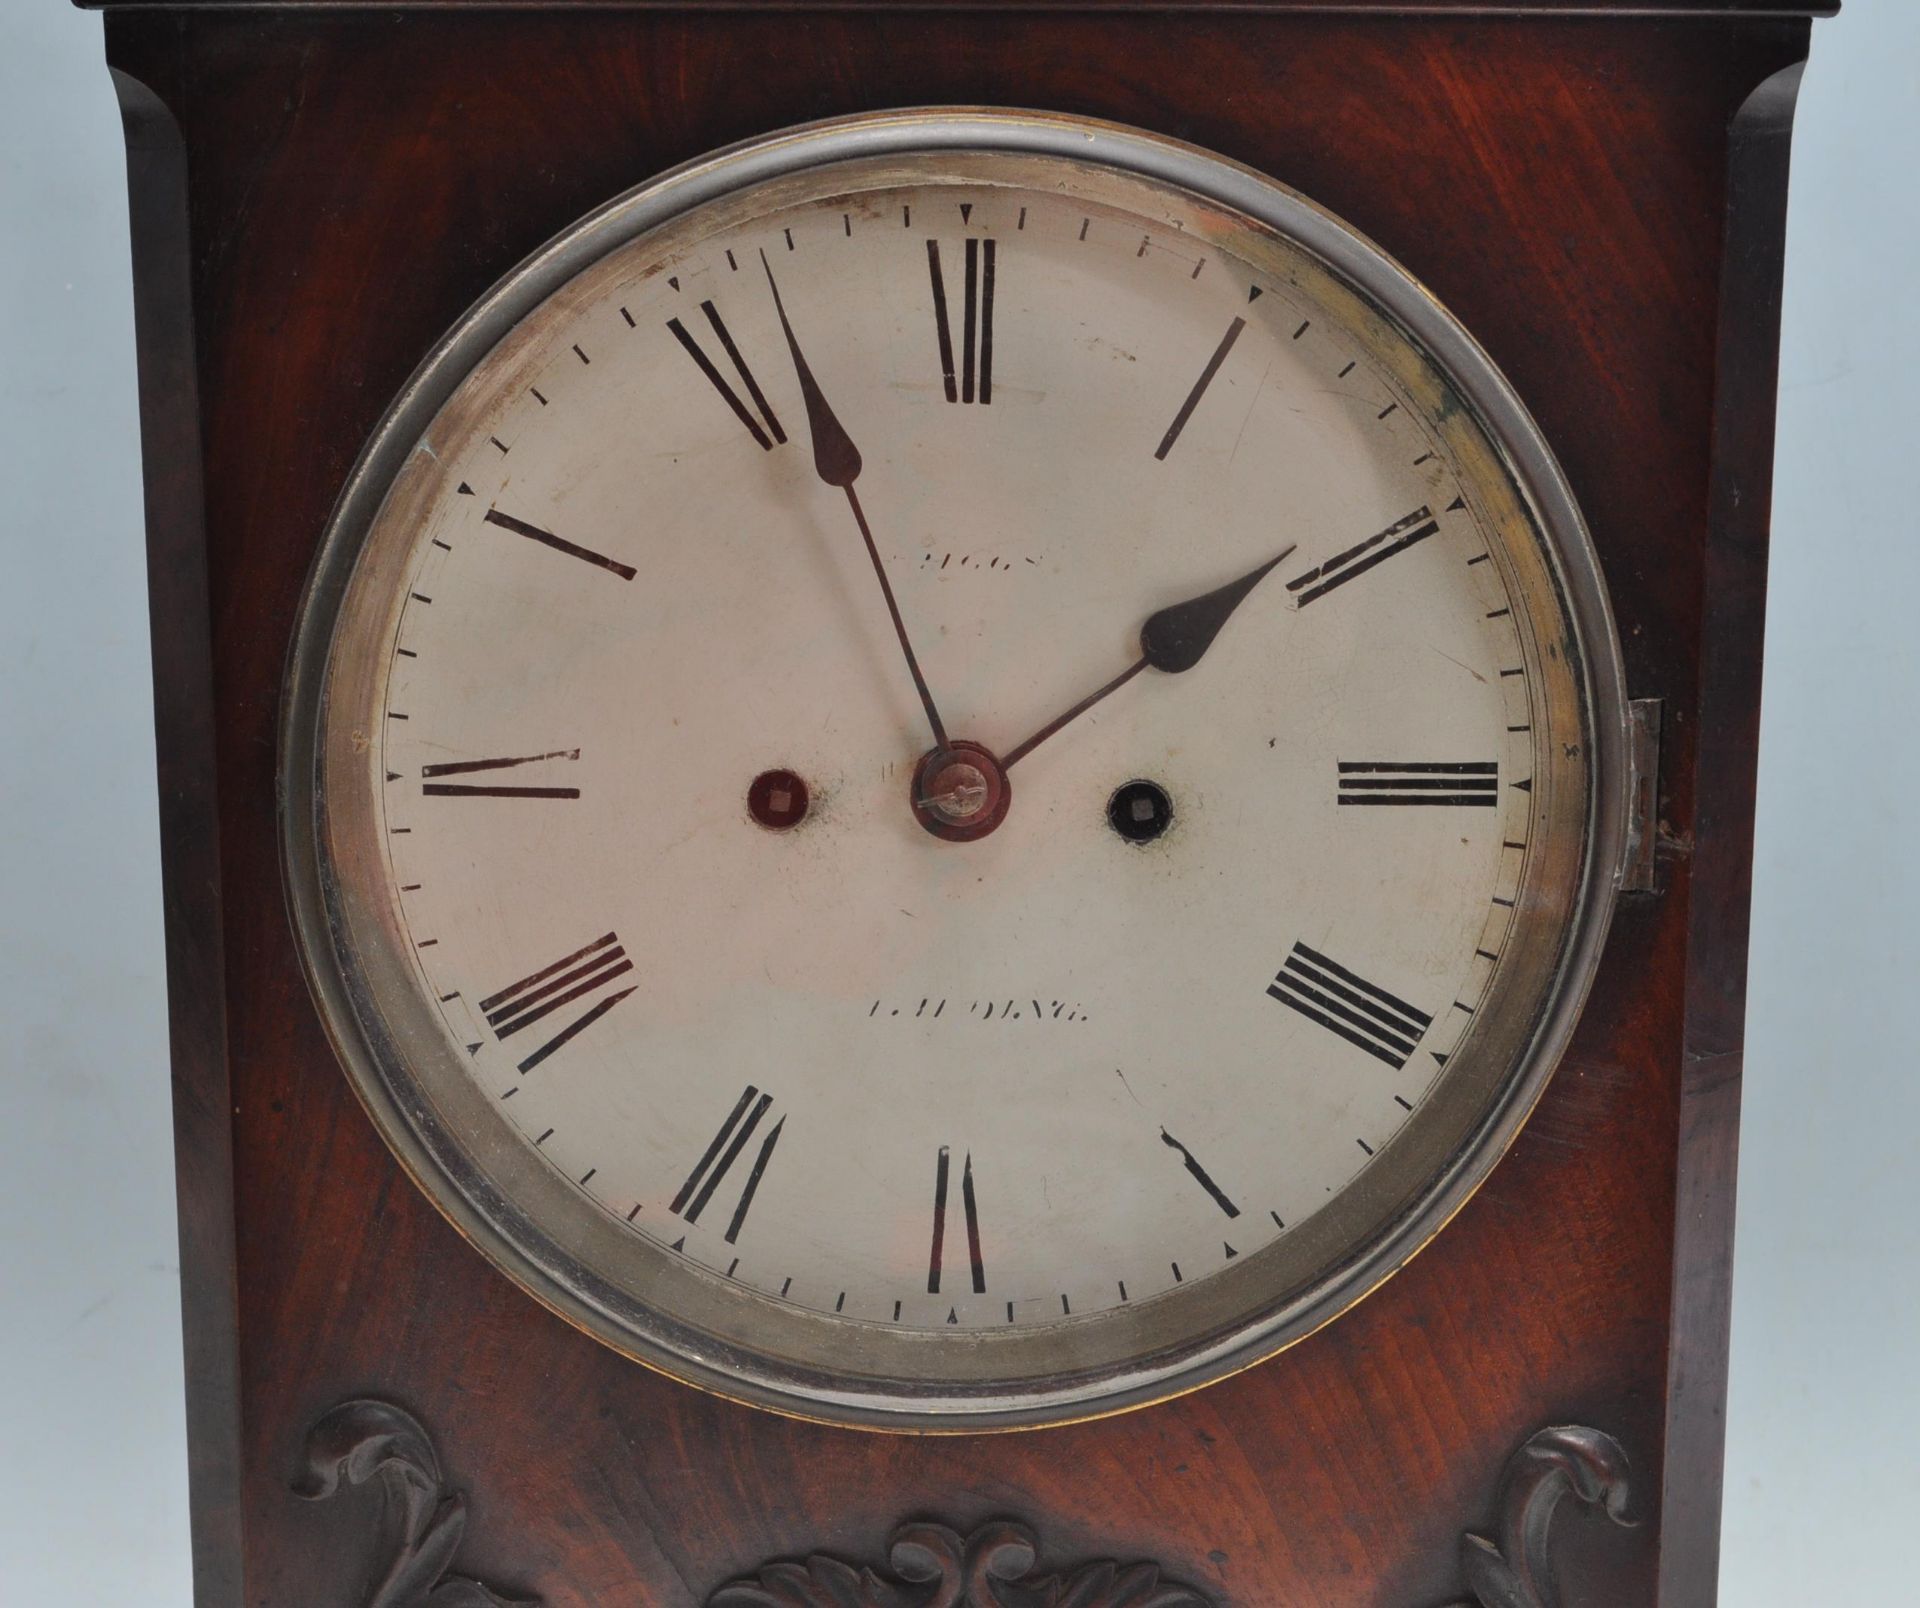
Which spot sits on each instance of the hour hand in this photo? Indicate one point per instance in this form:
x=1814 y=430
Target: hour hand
x=1177 y=637
x=1174 y=639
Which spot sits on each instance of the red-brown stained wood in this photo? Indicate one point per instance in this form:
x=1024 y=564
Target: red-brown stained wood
x=358 y=178
x=1739 y=516
x=1474 y=8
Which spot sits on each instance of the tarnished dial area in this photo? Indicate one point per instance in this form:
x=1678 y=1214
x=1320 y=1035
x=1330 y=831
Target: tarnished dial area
x=951 y=749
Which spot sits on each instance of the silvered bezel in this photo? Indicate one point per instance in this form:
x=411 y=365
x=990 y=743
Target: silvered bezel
x=673 y=1315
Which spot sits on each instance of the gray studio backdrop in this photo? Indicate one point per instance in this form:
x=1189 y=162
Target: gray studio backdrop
x=1822 y=1477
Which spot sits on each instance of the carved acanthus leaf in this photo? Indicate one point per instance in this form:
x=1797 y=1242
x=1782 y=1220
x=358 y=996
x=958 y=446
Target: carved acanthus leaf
x=931 y=1566
x=362 y=1441
x=934 y=1567
x=1515 y=1571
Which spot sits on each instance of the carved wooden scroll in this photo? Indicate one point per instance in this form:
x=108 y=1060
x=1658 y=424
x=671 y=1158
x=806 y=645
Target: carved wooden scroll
x=363 y=1441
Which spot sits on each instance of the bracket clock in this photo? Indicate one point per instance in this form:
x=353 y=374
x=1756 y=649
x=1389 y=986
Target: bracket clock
x=957 y=798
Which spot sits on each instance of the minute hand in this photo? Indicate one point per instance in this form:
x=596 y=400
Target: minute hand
x=837 y=461
x=1174 y=639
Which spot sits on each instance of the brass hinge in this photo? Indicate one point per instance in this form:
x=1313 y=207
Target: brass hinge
x=1643 y=808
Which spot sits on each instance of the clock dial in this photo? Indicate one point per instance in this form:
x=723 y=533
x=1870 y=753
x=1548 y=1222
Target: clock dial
x=963 y=777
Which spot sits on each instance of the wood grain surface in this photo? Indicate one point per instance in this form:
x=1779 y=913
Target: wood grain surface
x=353 y=179
x=1730 y=9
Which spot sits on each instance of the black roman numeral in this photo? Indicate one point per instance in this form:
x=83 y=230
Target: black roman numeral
x=468 y=767
x=723 y=1152
x=1342 y=1002
x=1199 y=388
x=1200 y=1174
x=552 y=988
x=1419 y=782
x=767 y=436
x=559 y=544
x=976 y=331
x=940 y=1223
x=1343 y=567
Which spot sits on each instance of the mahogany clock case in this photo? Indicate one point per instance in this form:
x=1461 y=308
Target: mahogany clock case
x=1596 y=191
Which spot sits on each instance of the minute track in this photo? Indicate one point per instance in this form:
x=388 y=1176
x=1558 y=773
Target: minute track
x=1171 y=645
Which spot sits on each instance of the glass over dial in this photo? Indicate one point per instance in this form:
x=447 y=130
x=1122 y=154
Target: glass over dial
x=953 y=781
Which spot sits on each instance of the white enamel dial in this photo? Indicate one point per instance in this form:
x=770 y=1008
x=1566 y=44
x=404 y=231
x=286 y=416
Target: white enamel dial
x=626 y=771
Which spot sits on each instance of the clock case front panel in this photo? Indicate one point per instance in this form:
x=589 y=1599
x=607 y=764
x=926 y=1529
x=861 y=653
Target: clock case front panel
x=318 y=195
